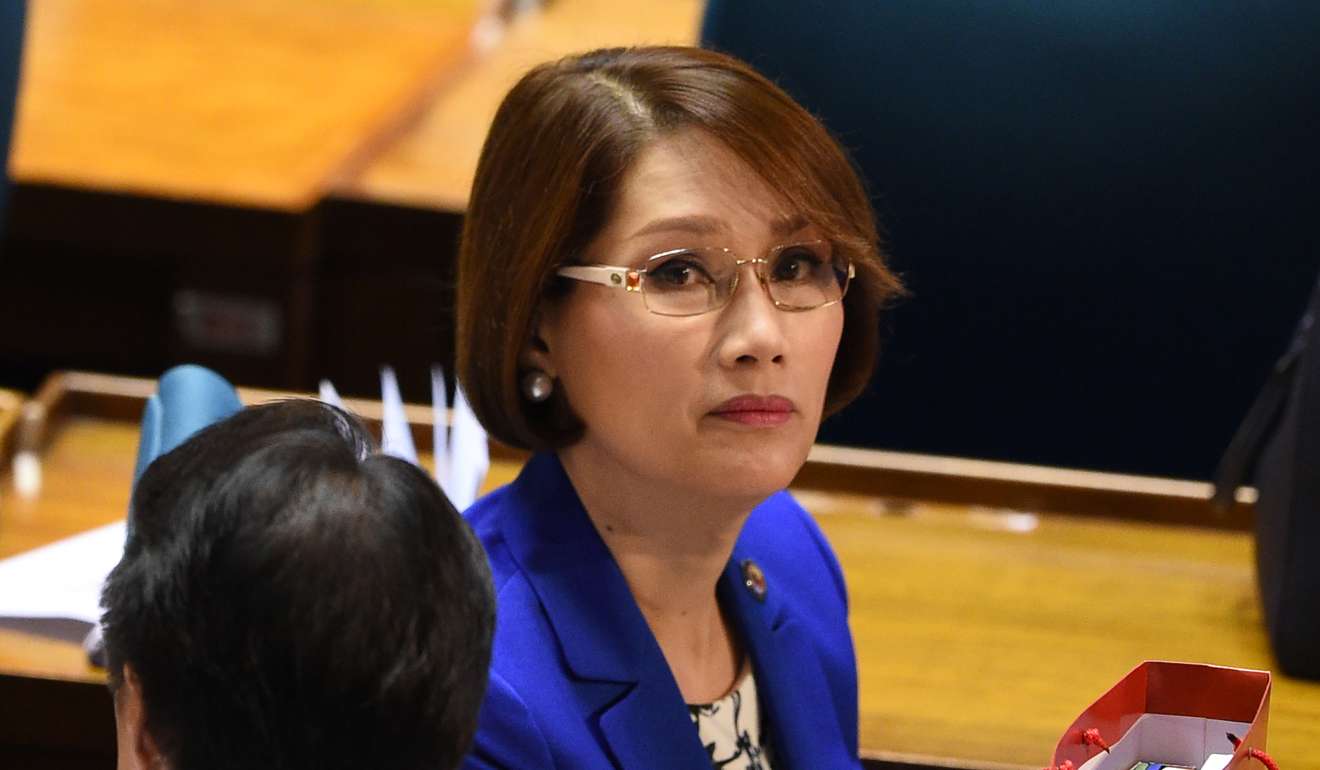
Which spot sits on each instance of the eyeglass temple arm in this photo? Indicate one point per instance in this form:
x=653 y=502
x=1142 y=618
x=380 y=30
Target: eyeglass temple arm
x=601 y=274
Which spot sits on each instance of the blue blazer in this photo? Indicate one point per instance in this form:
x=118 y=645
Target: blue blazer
x=577 y=679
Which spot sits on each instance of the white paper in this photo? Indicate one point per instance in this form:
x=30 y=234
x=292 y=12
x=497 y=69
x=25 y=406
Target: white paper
x=462 y=455
x=396 y=436
x=440 y=427
x=328 y=394
x=469 y=454
x=61 y=580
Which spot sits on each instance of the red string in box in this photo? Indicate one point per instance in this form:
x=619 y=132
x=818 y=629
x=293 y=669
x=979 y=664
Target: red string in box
x=1173 y=713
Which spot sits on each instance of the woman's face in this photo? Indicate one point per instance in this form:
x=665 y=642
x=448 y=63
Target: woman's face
x=724 y=404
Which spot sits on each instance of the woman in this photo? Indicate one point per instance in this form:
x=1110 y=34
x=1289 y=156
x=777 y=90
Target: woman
x=668 y=273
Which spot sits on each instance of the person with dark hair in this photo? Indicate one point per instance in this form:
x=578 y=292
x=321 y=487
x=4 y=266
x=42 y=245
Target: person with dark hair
x=290 y=598
x=669 y=272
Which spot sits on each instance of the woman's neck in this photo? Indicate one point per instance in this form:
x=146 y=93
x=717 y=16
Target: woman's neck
x=671 y=546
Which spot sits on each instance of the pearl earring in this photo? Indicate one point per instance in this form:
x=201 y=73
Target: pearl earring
x=537 y=386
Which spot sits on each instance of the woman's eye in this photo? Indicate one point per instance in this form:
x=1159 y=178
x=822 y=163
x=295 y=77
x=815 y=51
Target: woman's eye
x=796 y=264
x=677 y=273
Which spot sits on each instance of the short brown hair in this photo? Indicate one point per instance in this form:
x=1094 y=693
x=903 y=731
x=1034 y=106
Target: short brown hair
x=546 y=183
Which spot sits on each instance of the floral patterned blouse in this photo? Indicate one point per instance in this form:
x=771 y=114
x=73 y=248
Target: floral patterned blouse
x=730 y=729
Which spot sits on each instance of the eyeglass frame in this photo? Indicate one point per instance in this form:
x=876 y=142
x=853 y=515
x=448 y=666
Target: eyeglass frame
x=630 y=279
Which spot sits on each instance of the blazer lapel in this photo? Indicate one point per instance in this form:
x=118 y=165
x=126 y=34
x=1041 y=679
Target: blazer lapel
x=800 y=713
x=650 y=727
x=621 y=673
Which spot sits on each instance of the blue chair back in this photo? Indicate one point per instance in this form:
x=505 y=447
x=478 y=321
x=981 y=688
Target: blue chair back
x=188 y=398
x=1105 y=211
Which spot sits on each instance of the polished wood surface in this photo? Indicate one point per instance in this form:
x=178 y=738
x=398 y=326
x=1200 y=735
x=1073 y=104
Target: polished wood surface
x=981 y=632
x=10 y=403
x=244 y=102
x=432 y=164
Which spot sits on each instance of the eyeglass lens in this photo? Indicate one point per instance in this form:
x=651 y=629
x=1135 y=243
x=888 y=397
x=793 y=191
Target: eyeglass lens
x=798 y=276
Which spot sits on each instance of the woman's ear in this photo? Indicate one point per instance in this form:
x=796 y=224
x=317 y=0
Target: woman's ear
x=136 y=747
x=537 y=353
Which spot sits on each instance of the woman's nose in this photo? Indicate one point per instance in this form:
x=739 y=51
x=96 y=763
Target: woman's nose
x=751 y=326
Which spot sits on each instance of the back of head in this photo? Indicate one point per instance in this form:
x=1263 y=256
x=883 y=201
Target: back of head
x=290 y=599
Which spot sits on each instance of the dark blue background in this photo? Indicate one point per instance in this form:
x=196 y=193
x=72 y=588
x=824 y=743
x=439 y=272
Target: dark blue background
x=1106 y=211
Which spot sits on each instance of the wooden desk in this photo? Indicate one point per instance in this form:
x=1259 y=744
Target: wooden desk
x=243 y=102
x=10 y=403
x=431 y=165
x=175 y=151
x=981 y=631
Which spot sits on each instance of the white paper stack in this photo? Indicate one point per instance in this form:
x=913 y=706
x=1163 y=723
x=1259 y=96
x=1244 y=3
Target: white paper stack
x=55 y=590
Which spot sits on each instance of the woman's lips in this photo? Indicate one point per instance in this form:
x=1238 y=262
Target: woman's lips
x=758 y=411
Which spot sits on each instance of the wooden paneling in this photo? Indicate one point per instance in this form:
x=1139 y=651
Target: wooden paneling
x=168 y=157
x=51 y=724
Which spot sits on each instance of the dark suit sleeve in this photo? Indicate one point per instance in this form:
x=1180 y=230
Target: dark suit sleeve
x=507 y=736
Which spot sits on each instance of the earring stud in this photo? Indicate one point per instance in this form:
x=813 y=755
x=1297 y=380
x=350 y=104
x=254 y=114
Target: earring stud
x=537 y=386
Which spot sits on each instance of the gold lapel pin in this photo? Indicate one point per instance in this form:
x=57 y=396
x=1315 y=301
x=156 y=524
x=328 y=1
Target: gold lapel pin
x=753 y=579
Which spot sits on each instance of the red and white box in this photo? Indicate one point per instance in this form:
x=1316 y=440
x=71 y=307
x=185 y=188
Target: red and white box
x=1179 y=714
